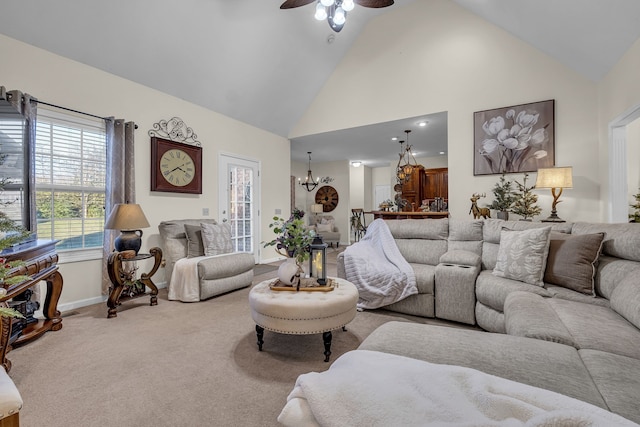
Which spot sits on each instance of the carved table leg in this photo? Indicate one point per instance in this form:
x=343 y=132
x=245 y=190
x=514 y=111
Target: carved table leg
x=50 y=308
x=146 y=277
x=260 y=334
x=326 y=337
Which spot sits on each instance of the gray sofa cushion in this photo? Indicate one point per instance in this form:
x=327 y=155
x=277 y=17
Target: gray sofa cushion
x=430 y=229
x=598 y=328
x=529 y=315
x=572 y=260
x=618 y=380
x=611 y=271
x=625 y=299
x=195 y=247
x=425 y=277
x=620 y=241
x=523 y=255
x=174 y=240
x=216 y=238
x=492 y=290
x=564 y=293
x=547 y=365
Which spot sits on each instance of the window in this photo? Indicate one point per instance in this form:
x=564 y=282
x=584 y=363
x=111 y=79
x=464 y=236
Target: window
x=70 y=170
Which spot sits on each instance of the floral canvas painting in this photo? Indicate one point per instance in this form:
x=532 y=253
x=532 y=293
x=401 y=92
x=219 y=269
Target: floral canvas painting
x=514 y=139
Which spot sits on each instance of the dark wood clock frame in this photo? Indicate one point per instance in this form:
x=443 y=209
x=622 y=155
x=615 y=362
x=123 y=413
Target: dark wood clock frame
x=159 y=146
x=328 y=197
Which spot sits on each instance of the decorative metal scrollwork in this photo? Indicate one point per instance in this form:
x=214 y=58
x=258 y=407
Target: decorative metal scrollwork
x=176 y=130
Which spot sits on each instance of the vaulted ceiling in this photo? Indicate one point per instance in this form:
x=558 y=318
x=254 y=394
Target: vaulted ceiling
x=251 y=61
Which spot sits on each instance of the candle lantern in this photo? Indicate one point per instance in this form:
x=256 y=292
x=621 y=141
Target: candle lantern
x=317 y=261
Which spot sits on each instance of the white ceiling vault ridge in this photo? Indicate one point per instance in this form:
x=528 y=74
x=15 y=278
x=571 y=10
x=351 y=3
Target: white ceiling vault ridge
x=264 y=66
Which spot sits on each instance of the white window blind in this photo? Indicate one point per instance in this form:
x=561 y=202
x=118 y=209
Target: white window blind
x=70 y=171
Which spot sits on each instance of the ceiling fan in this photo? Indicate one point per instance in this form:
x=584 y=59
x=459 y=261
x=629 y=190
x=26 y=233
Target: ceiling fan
x=335 y=11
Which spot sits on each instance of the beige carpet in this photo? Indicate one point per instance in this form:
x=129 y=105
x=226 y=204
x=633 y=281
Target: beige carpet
x=175 y=364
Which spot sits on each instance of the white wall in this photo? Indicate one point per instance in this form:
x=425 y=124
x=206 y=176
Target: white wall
x=633 y=161
x=433 y=56
x=60 y=81
x=618 y=92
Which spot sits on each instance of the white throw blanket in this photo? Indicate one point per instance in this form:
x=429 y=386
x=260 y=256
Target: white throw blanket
x=369 y=388
x=376 y=267
x=184 y=284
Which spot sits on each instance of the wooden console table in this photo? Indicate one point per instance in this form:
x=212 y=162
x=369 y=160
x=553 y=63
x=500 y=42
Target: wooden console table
x=41 y=263
x=117 y=275
x=407 y=215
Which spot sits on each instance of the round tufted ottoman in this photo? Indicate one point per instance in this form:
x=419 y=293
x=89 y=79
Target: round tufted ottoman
x=302 y=313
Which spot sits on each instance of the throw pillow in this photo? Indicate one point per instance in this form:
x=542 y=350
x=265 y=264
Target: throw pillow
x=216 y=239
x=572 y=261
x=522 y=255
x=194 y=241
x=324 y=228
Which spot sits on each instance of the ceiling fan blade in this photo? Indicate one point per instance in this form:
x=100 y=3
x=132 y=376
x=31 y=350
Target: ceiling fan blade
x=290 y=4
x=374 y=3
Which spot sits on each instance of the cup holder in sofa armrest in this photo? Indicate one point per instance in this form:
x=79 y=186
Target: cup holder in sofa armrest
x=460 y=258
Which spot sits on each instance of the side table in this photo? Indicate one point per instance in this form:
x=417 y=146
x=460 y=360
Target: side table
x=120 y=279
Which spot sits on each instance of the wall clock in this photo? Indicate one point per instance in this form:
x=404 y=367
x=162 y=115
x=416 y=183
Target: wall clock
x=328 y=197
x=175 y=167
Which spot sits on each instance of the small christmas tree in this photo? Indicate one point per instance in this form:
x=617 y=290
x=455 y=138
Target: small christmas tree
x=504 y=198
x=525 y=201
x=635 y=216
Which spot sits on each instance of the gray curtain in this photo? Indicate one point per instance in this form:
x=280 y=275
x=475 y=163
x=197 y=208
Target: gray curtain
x=120 y=180
x=27 y=106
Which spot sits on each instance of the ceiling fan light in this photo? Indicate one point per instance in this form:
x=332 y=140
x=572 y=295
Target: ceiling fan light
x=321 y=12
x=348 y=5
x=327 y=3
x=340 y=17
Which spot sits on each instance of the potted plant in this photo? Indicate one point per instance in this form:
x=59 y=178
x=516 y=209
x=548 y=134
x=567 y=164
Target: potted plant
x=504 y=197
x=635 y=215
x=10 y=234
x=525 y=201
x=293 y=241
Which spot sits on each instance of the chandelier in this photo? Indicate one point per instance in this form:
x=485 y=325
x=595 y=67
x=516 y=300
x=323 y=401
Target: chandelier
x=406 y=162
x=334 y=11
x=309 y=183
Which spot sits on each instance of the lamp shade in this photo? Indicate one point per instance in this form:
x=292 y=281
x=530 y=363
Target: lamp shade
x=126 y=216
x=317 y=208
x=561 y=177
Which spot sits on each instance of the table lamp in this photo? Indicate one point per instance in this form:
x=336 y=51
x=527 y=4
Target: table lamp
x=317 y=208
x=128 y=218
x=556 y=179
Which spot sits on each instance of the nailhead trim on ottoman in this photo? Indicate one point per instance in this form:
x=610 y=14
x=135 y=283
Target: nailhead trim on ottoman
x=301 y=313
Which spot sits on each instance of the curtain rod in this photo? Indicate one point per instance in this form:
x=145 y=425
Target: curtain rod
x=69 y=109
x=73 y=111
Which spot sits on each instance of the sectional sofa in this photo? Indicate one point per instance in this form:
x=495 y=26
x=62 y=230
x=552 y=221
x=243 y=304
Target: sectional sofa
x=560 y=302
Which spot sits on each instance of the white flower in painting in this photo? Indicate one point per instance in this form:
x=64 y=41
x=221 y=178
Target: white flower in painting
x=489 y=146
x=510 y=114
x=494 y=126
x=540 y=154
x=527 y=120
x=539 y=137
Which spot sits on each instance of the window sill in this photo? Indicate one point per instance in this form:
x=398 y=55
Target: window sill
x=79 y=255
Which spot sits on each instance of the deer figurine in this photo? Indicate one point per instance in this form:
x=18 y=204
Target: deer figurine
x=479 y=212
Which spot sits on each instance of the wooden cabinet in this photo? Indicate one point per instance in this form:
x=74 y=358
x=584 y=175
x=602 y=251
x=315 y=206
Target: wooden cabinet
x=425 y=184
x=435 y=183
x=412 y=190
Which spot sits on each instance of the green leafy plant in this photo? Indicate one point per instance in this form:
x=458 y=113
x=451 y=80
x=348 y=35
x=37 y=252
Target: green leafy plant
x=635 y=215
x=525 y=201
x=503 y=193
x=293 y=238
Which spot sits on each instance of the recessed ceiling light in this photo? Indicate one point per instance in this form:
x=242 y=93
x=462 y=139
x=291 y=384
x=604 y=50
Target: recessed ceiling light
x=395 y=138
x=423 y=123
x=442 y=152
x=356 y=164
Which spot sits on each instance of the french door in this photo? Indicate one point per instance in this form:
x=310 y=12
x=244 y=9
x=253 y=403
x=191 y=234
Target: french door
x=240 y=200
